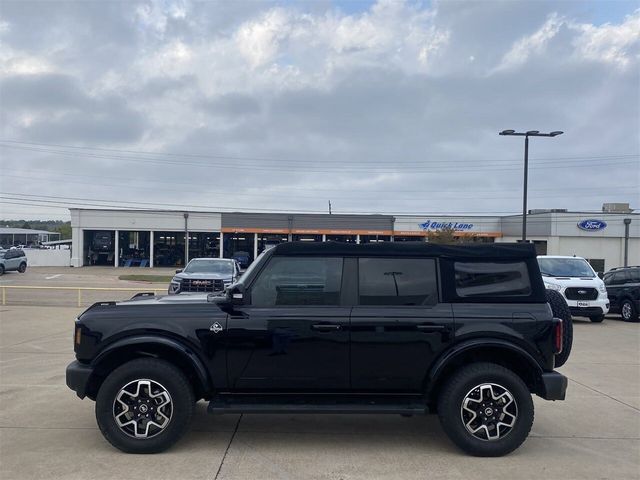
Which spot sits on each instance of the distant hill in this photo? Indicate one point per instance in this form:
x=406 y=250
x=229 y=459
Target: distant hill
x=51 y=225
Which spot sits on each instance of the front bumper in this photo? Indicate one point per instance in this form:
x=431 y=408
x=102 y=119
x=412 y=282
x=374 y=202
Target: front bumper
x=78 y=376
x=600 y=306
x=554 y=386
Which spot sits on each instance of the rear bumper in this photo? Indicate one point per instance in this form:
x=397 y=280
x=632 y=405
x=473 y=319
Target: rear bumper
x=554 y=386
x=78 y=376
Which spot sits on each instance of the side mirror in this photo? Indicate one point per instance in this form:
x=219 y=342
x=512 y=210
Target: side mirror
x=178 y=270
x=235 y=295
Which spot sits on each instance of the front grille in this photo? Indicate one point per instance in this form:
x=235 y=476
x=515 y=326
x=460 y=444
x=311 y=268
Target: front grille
x=200 y=285
x=581 y=293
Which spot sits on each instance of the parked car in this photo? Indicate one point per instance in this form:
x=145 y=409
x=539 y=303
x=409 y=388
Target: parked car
x=243 y=258
x=578 y=283
x=205 y=275
x=462 y=331
x=13 y=259
x=623 y=289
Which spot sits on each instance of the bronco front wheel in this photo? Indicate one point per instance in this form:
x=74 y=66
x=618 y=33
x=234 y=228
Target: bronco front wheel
x=144 y=406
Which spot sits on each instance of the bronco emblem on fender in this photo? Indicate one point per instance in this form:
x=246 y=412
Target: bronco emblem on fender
x=216 y=328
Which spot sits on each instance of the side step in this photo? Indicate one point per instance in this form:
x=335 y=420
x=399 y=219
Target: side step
x=413 y=405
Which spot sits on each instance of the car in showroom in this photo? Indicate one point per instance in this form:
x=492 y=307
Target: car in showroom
x=623 y=289
x=207 y=275
x=464 y=332
x=13 y=259
x=577 y=281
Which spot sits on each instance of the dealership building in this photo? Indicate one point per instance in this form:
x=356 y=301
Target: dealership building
x=156 y=238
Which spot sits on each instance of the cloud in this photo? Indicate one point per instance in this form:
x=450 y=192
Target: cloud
x=618 y=45
x=394 y=106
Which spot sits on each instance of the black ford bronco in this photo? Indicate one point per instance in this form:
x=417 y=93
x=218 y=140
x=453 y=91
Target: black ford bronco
x=406 y=328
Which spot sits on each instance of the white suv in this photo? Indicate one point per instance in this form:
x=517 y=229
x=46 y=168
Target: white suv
x=578 y=283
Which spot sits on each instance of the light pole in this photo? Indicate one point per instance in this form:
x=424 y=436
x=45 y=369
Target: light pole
x=526 y=135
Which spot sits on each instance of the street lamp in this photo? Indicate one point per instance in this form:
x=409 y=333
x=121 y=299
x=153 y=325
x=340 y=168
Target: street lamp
x=526 y=135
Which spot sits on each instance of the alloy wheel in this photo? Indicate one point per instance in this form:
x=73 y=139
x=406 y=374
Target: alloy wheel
x=489 y=411
x=626 y=311
x=142 y=408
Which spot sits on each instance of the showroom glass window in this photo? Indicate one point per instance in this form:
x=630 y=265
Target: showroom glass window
x=398 y=281
x=288 y=281
x=492 y=279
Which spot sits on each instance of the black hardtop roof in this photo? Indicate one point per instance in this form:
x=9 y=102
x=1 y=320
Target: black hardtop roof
x=409 y=249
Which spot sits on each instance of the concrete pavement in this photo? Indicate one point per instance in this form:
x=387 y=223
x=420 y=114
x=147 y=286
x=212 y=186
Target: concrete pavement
x=46 y=432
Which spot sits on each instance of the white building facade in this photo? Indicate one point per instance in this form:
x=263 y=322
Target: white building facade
x=149 y=238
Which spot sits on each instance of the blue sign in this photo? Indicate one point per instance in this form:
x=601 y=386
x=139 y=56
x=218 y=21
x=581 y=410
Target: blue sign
x=592 y=225
x=457 y=226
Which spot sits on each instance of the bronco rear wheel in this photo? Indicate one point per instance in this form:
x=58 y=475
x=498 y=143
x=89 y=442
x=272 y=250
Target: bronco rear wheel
x=144 y=406
x=486 y=410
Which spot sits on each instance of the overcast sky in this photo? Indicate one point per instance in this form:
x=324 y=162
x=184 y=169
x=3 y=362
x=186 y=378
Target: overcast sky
x=380 y=107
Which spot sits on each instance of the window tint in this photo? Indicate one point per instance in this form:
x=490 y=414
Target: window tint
x=410 y=281
x=298 y=281
x=634 y=276
x=486 y=279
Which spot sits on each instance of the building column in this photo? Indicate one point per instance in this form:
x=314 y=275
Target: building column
x=221 y=255
x=358 y=239
x=77 y=247
x=324 y=237
x=151 y=241
x=255 y=246
x=116 y=257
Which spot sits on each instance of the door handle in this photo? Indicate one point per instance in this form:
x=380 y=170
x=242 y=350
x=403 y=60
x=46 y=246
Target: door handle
x=325 y=327
x=431 y=328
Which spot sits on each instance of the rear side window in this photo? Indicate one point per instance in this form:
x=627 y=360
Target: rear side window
x=491 y=279
x=298 y=281
x=409 y=281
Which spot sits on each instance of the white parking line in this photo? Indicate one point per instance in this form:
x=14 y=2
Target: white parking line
x=53 y=276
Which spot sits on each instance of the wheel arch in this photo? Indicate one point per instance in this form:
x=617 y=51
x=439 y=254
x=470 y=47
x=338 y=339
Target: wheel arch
x=500 y=352
x=170 y=350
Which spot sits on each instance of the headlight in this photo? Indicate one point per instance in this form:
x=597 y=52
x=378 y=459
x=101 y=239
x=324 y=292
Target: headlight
x=602 y=288
x=176 y=280
x=553 y=286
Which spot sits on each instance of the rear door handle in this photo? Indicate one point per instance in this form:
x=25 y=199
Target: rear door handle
x=431 y=328
x=325 y=327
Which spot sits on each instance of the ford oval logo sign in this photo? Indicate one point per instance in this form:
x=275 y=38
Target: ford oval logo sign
x=592 y=225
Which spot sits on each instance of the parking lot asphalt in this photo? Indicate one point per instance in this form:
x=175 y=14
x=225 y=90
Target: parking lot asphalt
x=46 y=432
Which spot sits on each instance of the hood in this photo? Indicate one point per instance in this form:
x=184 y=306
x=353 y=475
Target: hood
x=166 y=299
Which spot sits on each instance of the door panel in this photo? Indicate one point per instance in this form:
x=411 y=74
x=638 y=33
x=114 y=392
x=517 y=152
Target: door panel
x=302 y=348
x=393 y=347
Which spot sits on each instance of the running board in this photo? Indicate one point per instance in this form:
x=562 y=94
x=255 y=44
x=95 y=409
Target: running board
x=274 y=404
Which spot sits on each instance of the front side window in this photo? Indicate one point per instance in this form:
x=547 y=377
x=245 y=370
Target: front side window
x=298 y=281
x=407 y=281
x=489 y=279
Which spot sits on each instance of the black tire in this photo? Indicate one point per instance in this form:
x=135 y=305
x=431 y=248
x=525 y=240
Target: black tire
x=597 y=318
x=22 y=268
x=561 y=310
x=628 y=311
x=166 y=376
x=462 y=384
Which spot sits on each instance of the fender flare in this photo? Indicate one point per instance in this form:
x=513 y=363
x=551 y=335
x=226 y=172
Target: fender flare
x=177 y=346
x=436 y=370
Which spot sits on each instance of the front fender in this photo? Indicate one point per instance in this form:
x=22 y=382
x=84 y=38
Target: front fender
x=176 y=346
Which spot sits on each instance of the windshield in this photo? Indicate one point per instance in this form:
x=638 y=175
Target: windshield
x=210 y=266
x=565 y=267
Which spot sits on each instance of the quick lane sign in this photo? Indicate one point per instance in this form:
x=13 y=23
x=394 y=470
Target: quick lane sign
x=457 y=226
